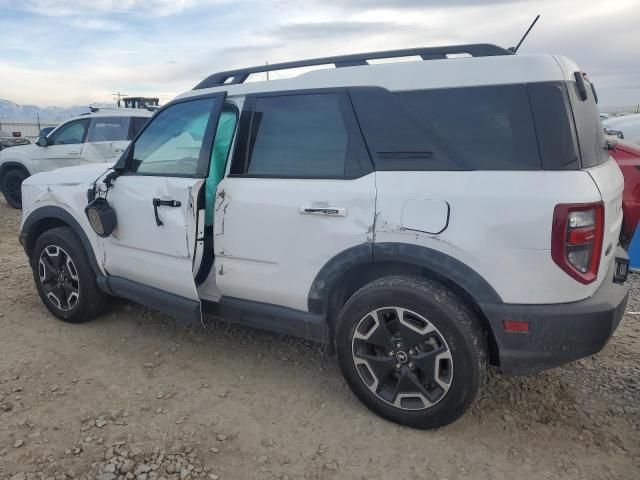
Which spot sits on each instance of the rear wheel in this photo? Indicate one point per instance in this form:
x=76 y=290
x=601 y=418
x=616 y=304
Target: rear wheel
x=411 y=351
x=64 y=277
x=12 y=187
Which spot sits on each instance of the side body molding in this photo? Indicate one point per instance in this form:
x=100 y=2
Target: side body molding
x=433 y=260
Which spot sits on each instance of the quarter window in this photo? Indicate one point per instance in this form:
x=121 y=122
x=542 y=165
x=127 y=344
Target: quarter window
x=71 y=133
x=171 y=143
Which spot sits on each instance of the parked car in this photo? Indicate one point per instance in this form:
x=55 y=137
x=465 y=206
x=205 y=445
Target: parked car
x=627 y=155
x=424 y=219
x=90 y=138
x=7 y=140
x=45 y=131
x=626 y=127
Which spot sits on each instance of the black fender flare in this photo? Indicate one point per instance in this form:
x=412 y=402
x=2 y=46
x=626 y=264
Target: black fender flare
x=51 y=212
x=435 y=261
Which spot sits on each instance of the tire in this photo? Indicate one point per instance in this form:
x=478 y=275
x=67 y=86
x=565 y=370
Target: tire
x=11 y=186
x=64 y=278
x=423 y=371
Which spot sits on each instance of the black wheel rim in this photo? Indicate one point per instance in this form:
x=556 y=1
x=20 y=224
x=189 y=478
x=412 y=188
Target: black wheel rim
x=13 y=189
x=402 y=358
x=59 y=278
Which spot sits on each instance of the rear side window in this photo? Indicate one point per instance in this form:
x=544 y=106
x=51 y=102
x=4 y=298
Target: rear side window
x=136 y=125
x=109 y=129
x=481 y=128
x=554 y=125
x=299 y=136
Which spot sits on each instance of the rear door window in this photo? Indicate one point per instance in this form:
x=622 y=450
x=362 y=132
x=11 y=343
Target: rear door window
x=109 y=129
x=300 y=135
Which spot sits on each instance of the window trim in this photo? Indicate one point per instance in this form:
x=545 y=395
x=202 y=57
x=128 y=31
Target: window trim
x=204 y=159
x=65 y=125
x=246 y=136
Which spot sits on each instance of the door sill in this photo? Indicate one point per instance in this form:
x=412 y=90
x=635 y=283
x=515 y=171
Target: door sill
x=165 y=302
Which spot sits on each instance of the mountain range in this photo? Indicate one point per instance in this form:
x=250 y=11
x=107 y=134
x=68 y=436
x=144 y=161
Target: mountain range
x=29 y=113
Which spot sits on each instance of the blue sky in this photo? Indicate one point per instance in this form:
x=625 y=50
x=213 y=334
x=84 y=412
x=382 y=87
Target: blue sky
x=65 y=52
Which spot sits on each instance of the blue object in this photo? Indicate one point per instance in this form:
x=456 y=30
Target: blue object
x=634 y=252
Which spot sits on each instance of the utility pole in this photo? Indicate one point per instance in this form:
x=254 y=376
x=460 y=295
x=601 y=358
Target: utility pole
x=267 y=64
x=119 y=96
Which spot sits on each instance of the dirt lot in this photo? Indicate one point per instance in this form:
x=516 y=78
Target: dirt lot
x=137 y=392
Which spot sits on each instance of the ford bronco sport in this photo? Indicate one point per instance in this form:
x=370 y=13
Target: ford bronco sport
x=424 y=218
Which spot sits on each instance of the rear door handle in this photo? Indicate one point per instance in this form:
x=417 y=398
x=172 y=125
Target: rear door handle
x=327 y=211
x=73 y=153
x=163 y=203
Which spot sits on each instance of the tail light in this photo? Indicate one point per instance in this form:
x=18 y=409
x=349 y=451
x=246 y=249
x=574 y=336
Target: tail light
x=576 y=239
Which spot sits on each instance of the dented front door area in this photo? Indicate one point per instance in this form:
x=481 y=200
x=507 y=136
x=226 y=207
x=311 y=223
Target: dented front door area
x=154 y=252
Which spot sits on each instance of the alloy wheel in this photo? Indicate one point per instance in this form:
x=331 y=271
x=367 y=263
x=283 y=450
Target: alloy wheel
x=59 y=278
x=402 y=358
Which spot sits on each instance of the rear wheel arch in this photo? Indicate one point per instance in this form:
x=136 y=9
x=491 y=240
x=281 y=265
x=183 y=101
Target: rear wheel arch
x=46 y=218
x=349 y=271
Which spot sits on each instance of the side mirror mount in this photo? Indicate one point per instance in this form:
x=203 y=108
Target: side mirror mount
x=42 y=142
x=121 y=164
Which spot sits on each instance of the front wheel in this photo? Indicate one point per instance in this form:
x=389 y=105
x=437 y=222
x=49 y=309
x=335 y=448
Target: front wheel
x=12 y=187
x=64 y=277
x=411 y=351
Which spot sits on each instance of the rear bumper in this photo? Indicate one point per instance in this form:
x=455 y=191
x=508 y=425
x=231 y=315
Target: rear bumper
x=558 y=333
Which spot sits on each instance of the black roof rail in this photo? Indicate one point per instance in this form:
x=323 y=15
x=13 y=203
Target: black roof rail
x=234 y=77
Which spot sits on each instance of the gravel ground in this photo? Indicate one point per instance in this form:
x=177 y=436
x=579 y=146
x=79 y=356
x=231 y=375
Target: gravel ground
x=135 y=395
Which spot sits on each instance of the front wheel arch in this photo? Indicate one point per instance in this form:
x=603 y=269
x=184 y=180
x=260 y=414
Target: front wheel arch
x=45 y=218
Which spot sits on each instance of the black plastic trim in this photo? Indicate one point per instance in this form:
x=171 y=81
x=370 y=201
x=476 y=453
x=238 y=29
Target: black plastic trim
x=437 y=262
x=558 y=333
x=273 y=318
x=166 y=302
x=51 y=212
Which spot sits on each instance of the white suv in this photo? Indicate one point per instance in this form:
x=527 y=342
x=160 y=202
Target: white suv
x=100 y=136
x=422 y=218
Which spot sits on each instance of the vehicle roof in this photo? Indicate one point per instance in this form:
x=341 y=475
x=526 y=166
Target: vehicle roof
x=412 y=75
x=631 y=119
x=115 y=112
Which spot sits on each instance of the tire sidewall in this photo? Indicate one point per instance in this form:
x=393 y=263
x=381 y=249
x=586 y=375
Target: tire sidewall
x=65 y=239
x=446 y=319
x=12 y=173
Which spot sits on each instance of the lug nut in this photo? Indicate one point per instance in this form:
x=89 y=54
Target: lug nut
x=392 y=353
x=398 y=365
x=398 y=345
x=412 y=365
x=412 y=352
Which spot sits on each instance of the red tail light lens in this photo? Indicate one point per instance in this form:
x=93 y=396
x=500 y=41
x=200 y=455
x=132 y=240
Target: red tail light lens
x=576 y=239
